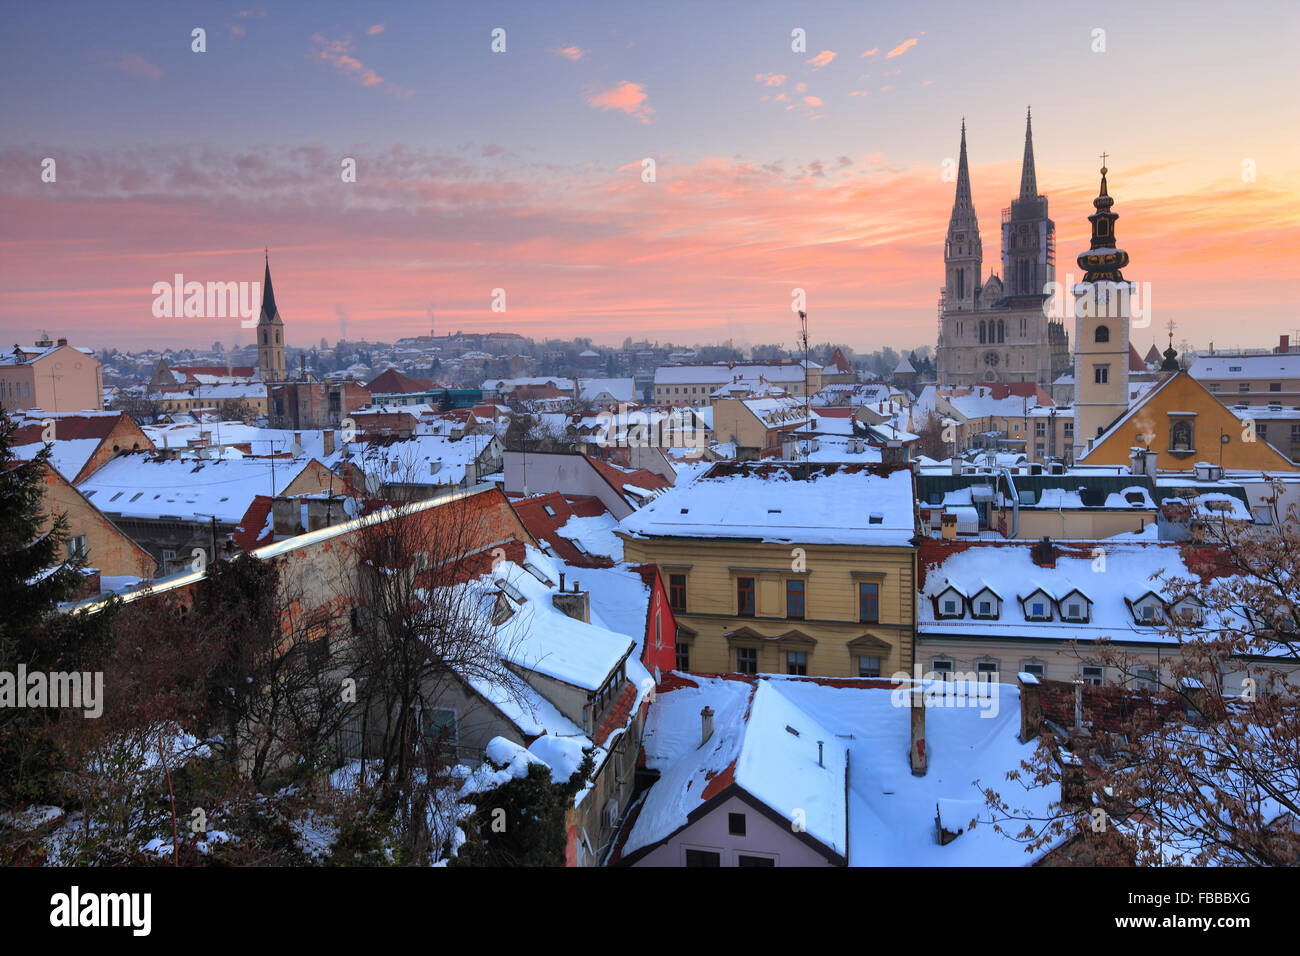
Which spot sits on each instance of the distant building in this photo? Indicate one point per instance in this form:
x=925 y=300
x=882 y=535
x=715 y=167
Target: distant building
x=51 y=376
x=270 y=335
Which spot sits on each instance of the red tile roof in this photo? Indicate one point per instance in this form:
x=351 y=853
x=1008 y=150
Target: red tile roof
x=545 y=527
x=394 y=382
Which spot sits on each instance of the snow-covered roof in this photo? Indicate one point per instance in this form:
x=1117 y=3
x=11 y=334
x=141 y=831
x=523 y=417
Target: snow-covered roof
x=138 y=485
x=1277 y=366
x=772 y=502
x=619 y=389
x=753 y=747
x=1108 y=576
x=722 y=373
x=890 y=814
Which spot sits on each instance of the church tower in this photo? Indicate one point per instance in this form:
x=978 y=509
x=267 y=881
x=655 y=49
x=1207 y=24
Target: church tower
x=1101 y=329
x=963 y=255
x=270 y=334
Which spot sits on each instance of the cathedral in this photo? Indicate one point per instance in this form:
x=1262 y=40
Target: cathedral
x=994 y=329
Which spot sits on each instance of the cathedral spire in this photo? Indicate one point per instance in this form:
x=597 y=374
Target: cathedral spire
x=963 y=199
x=1028 y=179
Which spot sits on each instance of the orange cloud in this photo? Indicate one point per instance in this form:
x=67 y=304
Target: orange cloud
x=375 y=30
x=574 y=53
x=872 y=52
x=821 y=59
x=627 y=97
x=770 y=79
x=901 y=48
x=812 y=100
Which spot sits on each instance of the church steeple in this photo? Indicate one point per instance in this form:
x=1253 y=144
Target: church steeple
x=270 y=334
x=268 y=294
x=1103 y=260
x=1028 y=178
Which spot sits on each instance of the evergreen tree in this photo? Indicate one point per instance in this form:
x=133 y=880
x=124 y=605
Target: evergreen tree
x=521 y=822
x=36 y=574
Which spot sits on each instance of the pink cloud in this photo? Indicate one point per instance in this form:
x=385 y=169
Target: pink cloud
x=821 y=59
x=872 y=52
x=337 y=54
x=812 y=100
x=902 y=48
x=136 y=65
x=627 y=97
x=801 y=87
x=376 y=29
x=570 y=52
x=886 y=88
x=770 y=79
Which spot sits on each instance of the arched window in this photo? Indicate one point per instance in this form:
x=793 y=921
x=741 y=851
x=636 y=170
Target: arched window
x=981 y=331
x=1002 y=330
x=1180 y=437
x=266 y=338
x=961 y=283
x=1102 y=334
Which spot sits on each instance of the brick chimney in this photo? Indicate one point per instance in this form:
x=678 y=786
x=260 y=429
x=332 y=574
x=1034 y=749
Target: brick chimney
x=1284 y=344
x=1044 y=553
x=328 y=437
x=706 y=725
x=65 y=342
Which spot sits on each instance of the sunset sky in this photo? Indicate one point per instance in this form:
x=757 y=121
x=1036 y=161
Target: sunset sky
x=522 y=170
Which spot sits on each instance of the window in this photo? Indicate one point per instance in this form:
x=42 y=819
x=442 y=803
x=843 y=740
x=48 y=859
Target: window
x=1275 y=386
x=1146 y=678
x=1261 y=431
x=440 y=725
x=1038 y=609
x=1091 y=675
x=868 y=666
x=745 y=597
x=1035 y=668
x=986 y=608
x=743 y=859
x=736 y=824
x=683 y=656
x=168 y=555
x=981 y=333
x=1146 y=613
x=1214 y=386
x=549 y=510
x=942 y=667
x=1100 y=374
x=1295 y=433
x=677 y=592
x=1180 y=437
x=1040 y=430
x=703 y=858
x=868 y=603
x=986 y=670
x=950 y=606
x=796 y=662
x=794 y=594
x=1102 y=334
x=747 y=660
x=1244 y=387
x=77 y=547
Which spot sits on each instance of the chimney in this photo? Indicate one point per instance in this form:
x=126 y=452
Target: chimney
x=1045 y=553
x=916 y=752
x=65 y=341
x=576 y=604
x=1031 y=706
x=706 y=725
x=1283 y=344
x=328 y=437
x=285 y=517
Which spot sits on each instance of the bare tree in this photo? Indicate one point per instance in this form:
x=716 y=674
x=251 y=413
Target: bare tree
x=1192 y=771
x=422 y=623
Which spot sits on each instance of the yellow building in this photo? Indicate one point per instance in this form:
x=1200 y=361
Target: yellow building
x=1183 y=423
x=787 y=568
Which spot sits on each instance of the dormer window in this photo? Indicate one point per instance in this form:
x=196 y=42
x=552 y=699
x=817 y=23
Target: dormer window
x=950 y=606
x=986 y=603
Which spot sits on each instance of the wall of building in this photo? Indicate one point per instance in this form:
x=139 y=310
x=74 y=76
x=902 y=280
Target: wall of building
x=831 y=602
x=763 y=837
